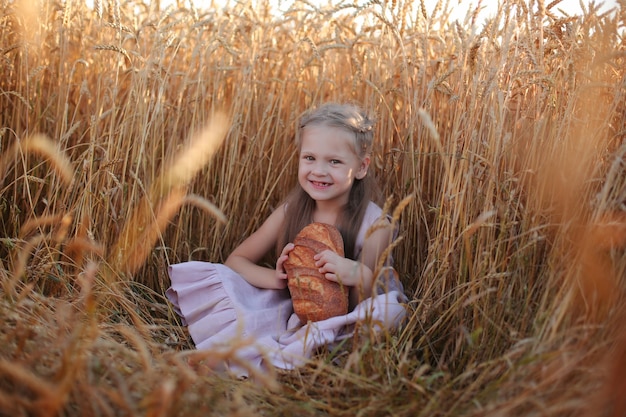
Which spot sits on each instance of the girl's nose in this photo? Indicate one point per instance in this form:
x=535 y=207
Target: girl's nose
x=318 y=169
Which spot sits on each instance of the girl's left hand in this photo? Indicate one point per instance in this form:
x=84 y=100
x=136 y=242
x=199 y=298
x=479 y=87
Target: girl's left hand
x=337 y=268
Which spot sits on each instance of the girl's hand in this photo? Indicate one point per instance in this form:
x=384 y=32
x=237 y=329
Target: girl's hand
x=280 y=262
x=337 y=268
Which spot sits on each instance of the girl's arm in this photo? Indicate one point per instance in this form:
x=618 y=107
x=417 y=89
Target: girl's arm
x=244 y=258
x=359 y=275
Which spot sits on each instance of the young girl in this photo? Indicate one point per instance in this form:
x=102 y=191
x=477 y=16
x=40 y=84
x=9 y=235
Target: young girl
x=244 y=299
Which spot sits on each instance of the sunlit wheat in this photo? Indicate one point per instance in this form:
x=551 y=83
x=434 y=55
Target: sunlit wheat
x=134 y=136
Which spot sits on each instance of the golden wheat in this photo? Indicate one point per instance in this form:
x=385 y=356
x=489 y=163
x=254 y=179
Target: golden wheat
x=500 y=150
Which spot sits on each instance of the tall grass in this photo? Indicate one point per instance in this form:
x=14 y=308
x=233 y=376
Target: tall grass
x=133 y=137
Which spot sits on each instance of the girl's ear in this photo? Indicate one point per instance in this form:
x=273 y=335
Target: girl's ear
x=365 y=163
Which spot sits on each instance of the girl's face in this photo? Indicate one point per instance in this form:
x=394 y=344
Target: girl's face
x=329 y=164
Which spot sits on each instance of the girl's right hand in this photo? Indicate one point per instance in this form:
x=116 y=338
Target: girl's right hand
x=280 y=267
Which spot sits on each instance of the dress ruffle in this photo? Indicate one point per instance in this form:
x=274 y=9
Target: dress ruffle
x=257 y=327
x=219 y=305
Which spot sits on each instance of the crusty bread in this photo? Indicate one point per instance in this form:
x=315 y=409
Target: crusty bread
x=314 y=297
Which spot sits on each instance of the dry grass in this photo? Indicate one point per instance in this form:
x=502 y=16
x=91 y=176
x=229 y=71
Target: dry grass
x=501 y=148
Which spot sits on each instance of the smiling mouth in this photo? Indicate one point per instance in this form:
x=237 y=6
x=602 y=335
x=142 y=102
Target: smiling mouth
x=318 y=184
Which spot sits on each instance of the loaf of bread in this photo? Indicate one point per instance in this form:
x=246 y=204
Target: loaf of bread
x=314 y=297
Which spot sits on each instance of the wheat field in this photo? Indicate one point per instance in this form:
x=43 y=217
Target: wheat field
x=133 y=137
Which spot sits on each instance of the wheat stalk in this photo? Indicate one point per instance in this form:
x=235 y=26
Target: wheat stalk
x=146 y=223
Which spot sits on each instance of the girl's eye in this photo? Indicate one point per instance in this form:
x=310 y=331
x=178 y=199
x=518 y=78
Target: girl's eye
x=335 y=161
x=308 y=158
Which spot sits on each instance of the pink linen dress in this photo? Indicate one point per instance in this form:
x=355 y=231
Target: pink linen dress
x=222 y=310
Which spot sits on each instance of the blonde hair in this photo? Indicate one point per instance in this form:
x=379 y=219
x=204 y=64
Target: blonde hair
x=300 y=206
x=348 y=117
